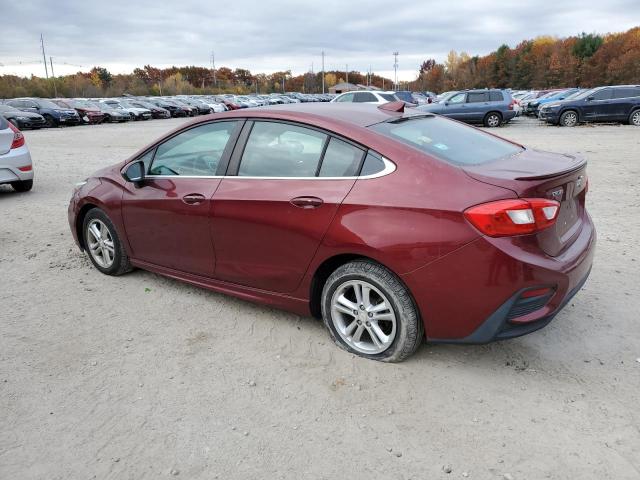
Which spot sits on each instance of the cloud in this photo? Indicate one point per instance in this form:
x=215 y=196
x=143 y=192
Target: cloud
x=268 y=36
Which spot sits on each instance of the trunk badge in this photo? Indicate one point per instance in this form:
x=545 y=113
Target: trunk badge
x=557 y=194
x=579 y=182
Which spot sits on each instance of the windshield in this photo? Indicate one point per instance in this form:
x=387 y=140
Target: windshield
x=49 y=104
x=4 y=108
x=450 y=141
x=574 y=94
x=585 y=93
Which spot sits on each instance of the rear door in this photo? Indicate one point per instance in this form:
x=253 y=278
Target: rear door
x=477 y=106
x=624 y=99
x=284 y=186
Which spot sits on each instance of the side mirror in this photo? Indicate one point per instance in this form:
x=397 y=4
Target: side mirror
x=446 y=104
x=134 y=172
x=590 y=98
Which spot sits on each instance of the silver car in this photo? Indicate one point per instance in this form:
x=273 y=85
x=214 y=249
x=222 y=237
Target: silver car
x=16 y=167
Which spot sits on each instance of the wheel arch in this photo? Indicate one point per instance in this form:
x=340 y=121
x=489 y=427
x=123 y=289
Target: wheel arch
x=82 y=213
x=329 y=265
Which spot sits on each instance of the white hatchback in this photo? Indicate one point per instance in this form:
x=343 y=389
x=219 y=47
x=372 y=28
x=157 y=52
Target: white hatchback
x=16 y=167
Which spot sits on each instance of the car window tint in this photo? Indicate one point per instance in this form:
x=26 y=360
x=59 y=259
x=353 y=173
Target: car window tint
x=347 y=97
x=457 y=98
x=626 y=92
x=372 y=165
x=146 y=159
x=196 y=151
x=496 y=96
x=281 y=150
x=388 y=97
x=363 y=97
x=604 y=94
x=340 y=159
x=476 y=97
x=447 y=140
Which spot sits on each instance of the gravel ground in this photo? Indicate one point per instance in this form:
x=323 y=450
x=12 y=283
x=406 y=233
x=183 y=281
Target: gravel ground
x=143 y=377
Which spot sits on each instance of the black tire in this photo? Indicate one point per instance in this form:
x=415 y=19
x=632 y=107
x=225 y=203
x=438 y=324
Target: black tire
x=634 y=118
x=51 y=122
x=22 y=186
x=107 y=118
x=409 y=329
x=568 y=119
x=121 y=262
x=492 y=119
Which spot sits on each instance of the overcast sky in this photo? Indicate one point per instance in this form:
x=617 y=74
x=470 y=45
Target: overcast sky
x=265 y=36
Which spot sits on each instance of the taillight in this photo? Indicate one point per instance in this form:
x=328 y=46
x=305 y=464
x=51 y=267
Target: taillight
x=513 y=102
x=505 y=218
x=18 y=137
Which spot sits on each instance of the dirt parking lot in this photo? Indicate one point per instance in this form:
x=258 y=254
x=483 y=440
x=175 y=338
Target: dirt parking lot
x=143 y=377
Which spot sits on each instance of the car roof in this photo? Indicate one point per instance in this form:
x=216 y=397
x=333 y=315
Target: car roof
x=361 y=115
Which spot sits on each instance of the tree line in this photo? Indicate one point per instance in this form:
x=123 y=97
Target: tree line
x=585 y=60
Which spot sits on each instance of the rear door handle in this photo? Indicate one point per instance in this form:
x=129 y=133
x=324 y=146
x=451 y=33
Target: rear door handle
x=306 y=202
x=193 y=199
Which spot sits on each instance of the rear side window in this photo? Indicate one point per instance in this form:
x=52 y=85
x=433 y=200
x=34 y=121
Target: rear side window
x=388 y=97
x=496 y=96
x=340 y=159
x=450 y=141
x=372 y=165
x=475 y=97
x=281 y=150
x=364 y=97
x=626 y=92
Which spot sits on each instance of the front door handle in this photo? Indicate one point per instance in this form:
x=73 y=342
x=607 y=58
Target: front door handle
x=193 y=199
x=306 y=202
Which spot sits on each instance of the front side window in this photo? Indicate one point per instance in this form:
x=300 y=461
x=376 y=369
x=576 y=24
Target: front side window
x=457 y=98
x=341 y=159
x=450 y=141
x=281 y=150
x=364 y=97
x=194 y=152
x=347 y=97
x=604 y=94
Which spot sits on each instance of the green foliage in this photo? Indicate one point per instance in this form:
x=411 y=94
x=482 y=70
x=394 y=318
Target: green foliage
x=587 y=45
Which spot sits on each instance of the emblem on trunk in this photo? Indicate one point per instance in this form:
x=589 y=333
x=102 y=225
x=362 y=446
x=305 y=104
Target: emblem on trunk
x=579 y=182
x=556 y=194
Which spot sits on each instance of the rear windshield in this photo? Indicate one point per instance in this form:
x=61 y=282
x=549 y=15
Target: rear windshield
x=447 y=140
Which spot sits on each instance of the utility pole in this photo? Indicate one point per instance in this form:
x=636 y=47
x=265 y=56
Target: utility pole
x=282 y=83
x=323 y=71
x=346 y=71
x=395 y=69
x=53 y=76
x=213 y=67
x=44 y=57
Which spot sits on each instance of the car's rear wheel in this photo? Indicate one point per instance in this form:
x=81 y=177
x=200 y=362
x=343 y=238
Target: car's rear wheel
x=22 y=186
x=103 y=245
x=369 y=312
x=569 y=119
x=492 y=119
x=634 y=118
x=51 y=122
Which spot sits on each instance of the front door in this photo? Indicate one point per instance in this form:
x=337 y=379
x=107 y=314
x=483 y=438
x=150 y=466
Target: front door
x=600 y=106
x=168 y=218
x=273 y=208
x=456 y=107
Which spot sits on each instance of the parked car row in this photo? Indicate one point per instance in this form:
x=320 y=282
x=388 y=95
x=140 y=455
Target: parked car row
x=36 y=113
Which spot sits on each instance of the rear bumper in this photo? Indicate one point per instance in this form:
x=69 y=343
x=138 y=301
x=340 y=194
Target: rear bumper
x=11 y=162
x=470 y=295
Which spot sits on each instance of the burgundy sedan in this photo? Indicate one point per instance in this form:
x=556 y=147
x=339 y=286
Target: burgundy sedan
x=390 y=226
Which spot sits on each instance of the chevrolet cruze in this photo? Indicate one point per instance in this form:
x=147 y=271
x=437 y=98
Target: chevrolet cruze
x=389 y=225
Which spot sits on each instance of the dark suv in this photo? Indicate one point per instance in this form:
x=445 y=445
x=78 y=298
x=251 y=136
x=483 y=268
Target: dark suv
x=54 y=115
x=619 y=103
x=489 y=107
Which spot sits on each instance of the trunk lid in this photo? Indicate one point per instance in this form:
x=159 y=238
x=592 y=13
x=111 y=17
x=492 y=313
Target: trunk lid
x=538 y=174
x=6 y=136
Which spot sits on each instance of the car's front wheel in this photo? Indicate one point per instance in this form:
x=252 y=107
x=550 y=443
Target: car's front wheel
x=569 y=119
x=369 y=312
x=103 y=245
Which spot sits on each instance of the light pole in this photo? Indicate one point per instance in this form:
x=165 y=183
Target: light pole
x=323 y=71
x=395 y=70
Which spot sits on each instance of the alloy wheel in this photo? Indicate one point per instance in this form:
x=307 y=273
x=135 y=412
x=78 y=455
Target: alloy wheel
x=570 y=119
x=635 y=118
x=100 y=243
x=363 y=316
x=493 y=120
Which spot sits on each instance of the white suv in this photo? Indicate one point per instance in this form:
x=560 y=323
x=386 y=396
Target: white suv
x=366 y=96
x=15 y=160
